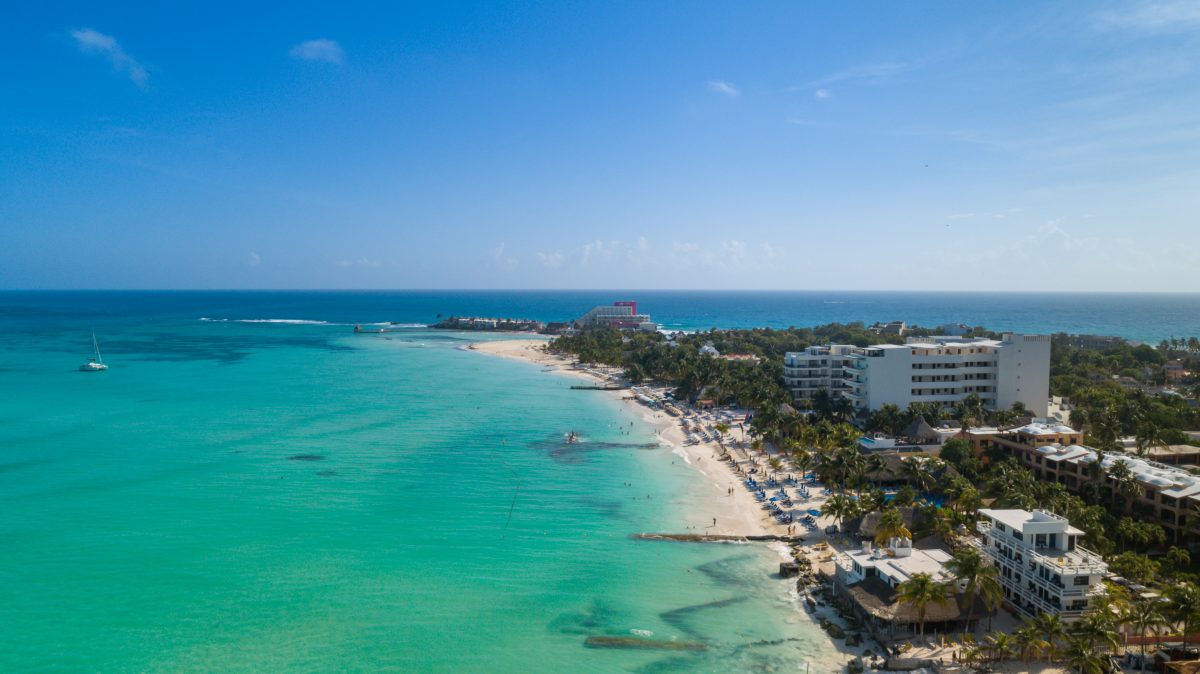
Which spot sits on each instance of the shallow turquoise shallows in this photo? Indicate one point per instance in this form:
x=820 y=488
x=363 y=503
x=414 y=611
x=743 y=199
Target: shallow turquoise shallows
x=287 y=497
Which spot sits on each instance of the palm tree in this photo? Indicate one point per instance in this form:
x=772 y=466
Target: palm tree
x=1051 y=629
x=1001 y=646
x=990 y=591
x=1028 y=641
x=965 y=565
x=1082 y=658
x=891 y=525
x=887 y=419
x=921 y=590
x=979 y=578
x=941 y=526
x=802 y=460
x=968 y=501
x=1098 y=629
x=842 y=409
x=1183 y=606
x=916 y=472
x=1148 y=436
x=1145 y=617
x=776 y=465
x=1106 y=426
x=840 y=507
x=1125 y=484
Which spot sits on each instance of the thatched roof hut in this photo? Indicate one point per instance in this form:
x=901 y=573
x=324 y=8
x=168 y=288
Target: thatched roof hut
x=920 y=432
x=878 y=599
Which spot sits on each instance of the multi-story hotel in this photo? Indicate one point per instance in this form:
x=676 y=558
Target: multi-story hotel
x=1055 y=453
x=942 y=370
x=1042 y=567
x=622 y=315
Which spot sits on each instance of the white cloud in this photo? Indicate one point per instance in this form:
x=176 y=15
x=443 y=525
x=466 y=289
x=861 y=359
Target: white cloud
x=871 y=72
x=822 y=94
x=1151 y=17
x=501 y=261
x=551 y=260
x=90 y=41
x=733 y=251
x=360 y=262
x=722 y=87
x=324 y=50
x=253 y=260
x=598 y=250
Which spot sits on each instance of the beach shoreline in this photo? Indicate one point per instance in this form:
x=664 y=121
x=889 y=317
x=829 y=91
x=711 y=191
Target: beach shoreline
x=726 y=498
x=723 y=498
x=719 y=495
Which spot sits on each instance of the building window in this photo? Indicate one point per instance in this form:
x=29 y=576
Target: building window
x=1082 y=580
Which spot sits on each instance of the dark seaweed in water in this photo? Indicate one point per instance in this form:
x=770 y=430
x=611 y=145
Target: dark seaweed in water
x=679 y=618
x=596 y=617
x=306 y=457
x=574 y=452
x=327 y=473
x=606 y=507
x=727 y=571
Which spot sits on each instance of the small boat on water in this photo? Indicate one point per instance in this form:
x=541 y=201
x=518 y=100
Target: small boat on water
x=572 y=438
x=95 y=363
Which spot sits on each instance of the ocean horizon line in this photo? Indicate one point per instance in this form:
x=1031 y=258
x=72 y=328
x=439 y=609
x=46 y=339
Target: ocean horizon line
x=1125 y=293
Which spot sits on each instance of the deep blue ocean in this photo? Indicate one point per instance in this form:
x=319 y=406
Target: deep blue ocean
x=1149 y=317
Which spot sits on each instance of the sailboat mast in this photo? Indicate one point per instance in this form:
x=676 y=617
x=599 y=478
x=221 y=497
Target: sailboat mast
x=96 y=347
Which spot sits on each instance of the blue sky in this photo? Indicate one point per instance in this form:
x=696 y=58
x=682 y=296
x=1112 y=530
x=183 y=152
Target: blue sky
x=1013 y=146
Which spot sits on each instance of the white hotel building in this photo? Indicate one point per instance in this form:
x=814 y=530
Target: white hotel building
x=1042 y=568
x=1015 y=368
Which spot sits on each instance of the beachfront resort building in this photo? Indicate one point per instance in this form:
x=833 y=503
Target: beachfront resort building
x=943 y=369
x=1042 y=567
x=621 y=315
x=1169 y=495
x=869 y=578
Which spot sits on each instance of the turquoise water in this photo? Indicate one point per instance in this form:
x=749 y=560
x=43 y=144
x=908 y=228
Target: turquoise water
x=287 y=497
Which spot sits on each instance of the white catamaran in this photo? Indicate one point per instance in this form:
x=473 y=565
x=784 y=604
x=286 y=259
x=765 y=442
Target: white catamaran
x=95 y=363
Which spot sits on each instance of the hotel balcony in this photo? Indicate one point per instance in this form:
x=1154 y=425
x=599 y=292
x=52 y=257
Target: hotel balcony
x=806 y=370
x=1079 y=561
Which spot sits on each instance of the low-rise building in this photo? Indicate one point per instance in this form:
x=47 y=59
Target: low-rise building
x=1056 y=453
x=1043 y=569
x=869 y=578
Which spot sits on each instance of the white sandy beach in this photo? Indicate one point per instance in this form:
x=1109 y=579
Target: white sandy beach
x=723 y=495
x=737 y=513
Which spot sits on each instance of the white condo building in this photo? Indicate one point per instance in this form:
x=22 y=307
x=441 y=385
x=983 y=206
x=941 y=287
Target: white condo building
x=944 y=369
x=1042 y=568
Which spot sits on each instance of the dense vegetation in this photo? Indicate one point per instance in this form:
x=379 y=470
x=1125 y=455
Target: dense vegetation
x=1105 y=407
x=1114 y=391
